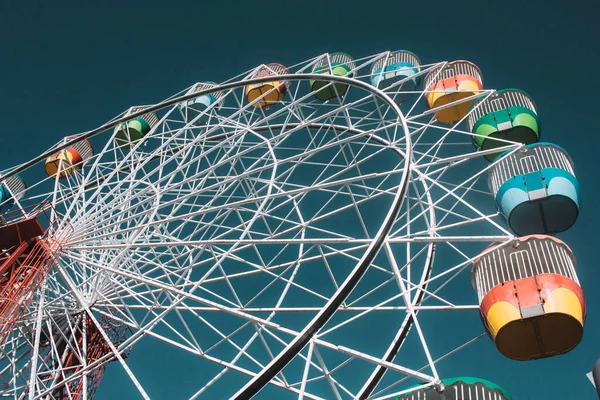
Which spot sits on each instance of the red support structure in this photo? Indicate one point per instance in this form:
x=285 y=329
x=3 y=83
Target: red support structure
x=96 y=349
x=25 y=256
x=27 y=252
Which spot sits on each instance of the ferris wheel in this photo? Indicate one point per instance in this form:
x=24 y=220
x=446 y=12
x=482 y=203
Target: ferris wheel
x=292 y=232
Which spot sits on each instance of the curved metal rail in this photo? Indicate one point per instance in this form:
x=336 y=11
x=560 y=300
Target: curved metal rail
x=296 y=345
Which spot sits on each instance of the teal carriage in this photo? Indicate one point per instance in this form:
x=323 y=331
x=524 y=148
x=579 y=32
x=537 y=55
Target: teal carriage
x=11 y=190
x=198 y=109
x=397 y=74
x=536 y=189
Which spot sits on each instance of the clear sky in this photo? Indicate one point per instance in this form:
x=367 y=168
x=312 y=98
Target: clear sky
x=67 y=67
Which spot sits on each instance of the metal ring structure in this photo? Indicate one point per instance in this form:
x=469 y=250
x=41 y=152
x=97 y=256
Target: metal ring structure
x=358 y=271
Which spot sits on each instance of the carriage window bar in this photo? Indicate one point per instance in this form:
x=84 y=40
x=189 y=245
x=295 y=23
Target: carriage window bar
x=546 y=156
x=329 y=59
x=533 y=257
x=458 y=390
x=150 y=117
x=342 y=58
x=494 y=103
x=396 y=57
x=16 y=187
x=451 y=69
x=204 y=86
x=271 y=69
x=83 y=147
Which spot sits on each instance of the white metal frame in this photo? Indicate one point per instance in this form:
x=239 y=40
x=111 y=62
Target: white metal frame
x=168 y=235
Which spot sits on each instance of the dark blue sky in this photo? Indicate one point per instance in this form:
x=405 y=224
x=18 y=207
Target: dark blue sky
x=66 y=67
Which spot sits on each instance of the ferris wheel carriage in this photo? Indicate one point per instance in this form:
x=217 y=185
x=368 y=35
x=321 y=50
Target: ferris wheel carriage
x=70 y=160
x=262 y=95
x=397 y=66
x=196 y=109
x=11 y=190
x=129 y=133
x=338 y=64
x=460 y=388
x=536 y=189
x=508 y=114
x=453 y=82
x=530 y=300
